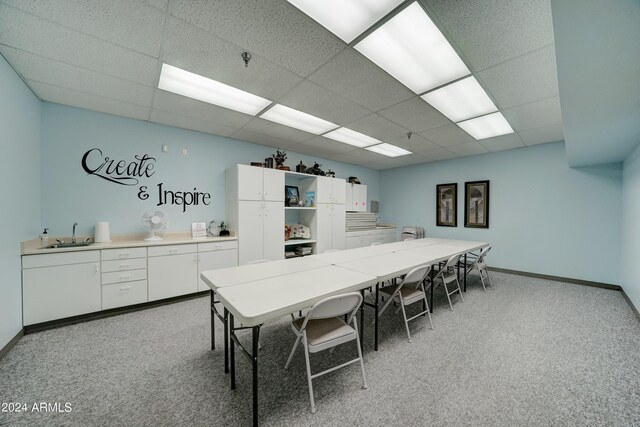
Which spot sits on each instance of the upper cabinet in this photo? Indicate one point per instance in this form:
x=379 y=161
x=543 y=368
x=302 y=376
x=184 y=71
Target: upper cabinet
x=331 y=190
x=356 y=197
x=259 y=184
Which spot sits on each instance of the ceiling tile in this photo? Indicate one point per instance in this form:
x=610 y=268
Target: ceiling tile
x=35 y=35
x=415 y=114
x=528 y=78
x=492 y=31
x=542 y=135
x=415 y=159
x=87 y=101
x=417 y=143
x=328 y=145
x=186 y=122
x=200 y=52
x=468 y=149
x=378 y=127
x=273 y=29
x=266 y=127
x=321 y=102
x=127 y=23
x=534 y=115
x=446 y=136
x=503 y=142
x=170 y=102
x=43 y=70
x=268 y=140
x=355 y=77
x=439 y=154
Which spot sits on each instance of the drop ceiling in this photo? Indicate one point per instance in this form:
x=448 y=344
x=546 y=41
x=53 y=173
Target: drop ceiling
x=106 y=56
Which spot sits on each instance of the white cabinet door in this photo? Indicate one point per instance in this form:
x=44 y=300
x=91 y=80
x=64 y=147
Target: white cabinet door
x=360 y=198
x=250 y=182
x=172 y=275
x=348 y=201
x=324 y=224
x=60 y=291
x=338 y=225
x=353 y=242
x=250 y=231
x=273 y=230
x=273 y=185
x=339 y=191
x=324 y=189
x=213 y=260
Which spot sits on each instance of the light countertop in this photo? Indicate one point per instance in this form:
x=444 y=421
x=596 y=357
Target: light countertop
x=34 y=246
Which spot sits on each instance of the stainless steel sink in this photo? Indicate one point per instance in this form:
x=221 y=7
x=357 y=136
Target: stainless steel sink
x=66 y=245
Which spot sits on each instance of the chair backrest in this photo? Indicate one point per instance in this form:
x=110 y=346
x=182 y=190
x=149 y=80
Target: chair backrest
x=452 y=262
x=331 y=250
x=416 y=275
x=257 y=261
x=375 y=244
x=483 y=253
x=335 y=306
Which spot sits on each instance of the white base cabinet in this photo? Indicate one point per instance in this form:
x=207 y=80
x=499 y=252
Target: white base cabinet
x=212 y=256
x=55 y=286
x=173 y=271
x=359 y=239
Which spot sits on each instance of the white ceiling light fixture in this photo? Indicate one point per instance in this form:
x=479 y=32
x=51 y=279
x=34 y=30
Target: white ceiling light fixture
x=185 y=83
x=352 y=137
x=461 y=100
x=413 y=50
x=388 y=150
x=487 y=126
x=297 y=119
x=346 y=19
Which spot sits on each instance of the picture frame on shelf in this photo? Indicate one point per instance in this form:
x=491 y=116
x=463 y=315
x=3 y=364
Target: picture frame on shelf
x=476 y=204
x=310 y=199
x=447 y=205
x=291 y=195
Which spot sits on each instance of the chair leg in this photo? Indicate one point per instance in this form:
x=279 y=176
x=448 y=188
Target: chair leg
x=293 y=350
x=355 y=327
x=446 y=291
x=404 y=316
x=426 y=304
x=481 y=277
x=306 y=357
x=459 y=289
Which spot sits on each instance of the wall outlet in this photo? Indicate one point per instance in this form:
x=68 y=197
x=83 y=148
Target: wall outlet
x=165 y=148
x=184 y=152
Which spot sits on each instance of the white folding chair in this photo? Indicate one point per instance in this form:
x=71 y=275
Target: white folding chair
x=410 y=290
x=449 y=274
x=479 y=264
x=324 y=327
x=408 y=238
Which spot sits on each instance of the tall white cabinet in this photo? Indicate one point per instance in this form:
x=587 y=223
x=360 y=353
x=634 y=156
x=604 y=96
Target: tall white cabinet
x=356 y=197
x=255 y=210
x=331 y=214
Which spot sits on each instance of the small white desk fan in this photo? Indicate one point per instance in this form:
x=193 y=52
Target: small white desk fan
x=154 y=221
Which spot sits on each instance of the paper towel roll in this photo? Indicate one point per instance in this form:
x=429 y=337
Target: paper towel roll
x=102 y=233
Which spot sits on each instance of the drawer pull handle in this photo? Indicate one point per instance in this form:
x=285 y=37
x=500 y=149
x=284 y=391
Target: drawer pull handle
x=173 y=251
x=125 y=265
x=124 y=254
x=125 y=288
x=125 y=277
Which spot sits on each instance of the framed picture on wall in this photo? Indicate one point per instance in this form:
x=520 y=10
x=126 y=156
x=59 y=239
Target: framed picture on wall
x=447 y=205
x=476 y=204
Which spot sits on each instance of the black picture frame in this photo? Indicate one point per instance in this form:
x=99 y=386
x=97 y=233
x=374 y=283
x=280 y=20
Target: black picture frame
x=291 y=195
x=476 y=204
x=447 y=205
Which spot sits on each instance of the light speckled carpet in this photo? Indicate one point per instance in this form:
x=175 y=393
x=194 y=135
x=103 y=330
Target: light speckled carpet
x=527 y=352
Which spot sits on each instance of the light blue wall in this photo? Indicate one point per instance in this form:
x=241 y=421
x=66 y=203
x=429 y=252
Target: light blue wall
x=630 y=266
x=544 y=217
x=20 y=177
x=70 y=195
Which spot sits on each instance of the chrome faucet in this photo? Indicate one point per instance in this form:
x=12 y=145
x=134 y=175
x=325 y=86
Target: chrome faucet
x=73 y=236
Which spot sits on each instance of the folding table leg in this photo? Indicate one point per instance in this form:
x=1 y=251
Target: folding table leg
x=213 y=323
x=256 y=336
x=362 y=321
x=465 y=272
x=375 y=343
x=225 y=325
x=433 y=285
x=233 y=352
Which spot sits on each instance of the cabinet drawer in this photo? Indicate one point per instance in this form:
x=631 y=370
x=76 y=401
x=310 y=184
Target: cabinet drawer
x=172 y=250
x=124 y=276
x=123 y=253
x=124 y=264
x=66 y=258
x=122 y=294
x=217 y=246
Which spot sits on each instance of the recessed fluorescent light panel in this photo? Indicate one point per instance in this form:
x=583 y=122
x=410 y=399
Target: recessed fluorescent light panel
x=297 y=119
x=388 y=150
x=177 y=80
x=352 y=137
x=461 y=100
x=413 y=50
x=487 y=126
x=346 y=19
